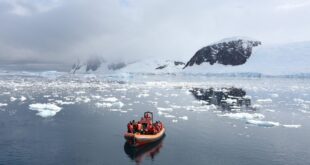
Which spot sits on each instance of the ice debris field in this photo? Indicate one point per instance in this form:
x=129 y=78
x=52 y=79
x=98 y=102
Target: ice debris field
x=275 y=103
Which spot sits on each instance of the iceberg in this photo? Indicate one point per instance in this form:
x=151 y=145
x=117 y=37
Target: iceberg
x=45 y=110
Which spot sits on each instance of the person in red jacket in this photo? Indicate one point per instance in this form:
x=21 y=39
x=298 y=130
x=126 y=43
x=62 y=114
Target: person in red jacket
x=150 y=129
x=139 y=127
x=130 y=127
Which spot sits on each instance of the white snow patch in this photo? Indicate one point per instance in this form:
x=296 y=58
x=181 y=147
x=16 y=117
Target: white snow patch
x=45 y=110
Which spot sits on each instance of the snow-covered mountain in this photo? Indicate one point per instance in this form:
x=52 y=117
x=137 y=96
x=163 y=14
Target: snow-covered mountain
x=154 y=66
x=230 y=51
x=234 y=56
x=274 y=60
x=96 y=64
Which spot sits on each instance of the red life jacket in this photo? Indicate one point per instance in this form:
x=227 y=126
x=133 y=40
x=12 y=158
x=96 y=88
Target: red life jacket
x=130 y=128
x=139 y=126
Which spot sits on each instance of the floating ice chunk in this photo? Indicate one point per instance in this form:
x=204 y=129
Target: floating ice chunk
x=291 y=125
x=274 y=95
x=104 y=105
x=143 y=95
x=184 y=117
x=118 y=104
x=12 y=99
x=304 y=111
x=110 y=99
x=64 y=102
x=231 y=101
x=270 y=110
x=3 y=104
x=263 y=123
x=256 y=106
x=174 y=121
x=169 y=116
x=264 y=100
x=121 y=89
x=86 y=100
x=243 y=115
x=162 y=113
x=45 y=110
x=158 y=94
x=299 y=100
x=6 y=93
x=175 y=106
x=22 y=98
x=79 y=92
x=96 y=97
x=164 y=109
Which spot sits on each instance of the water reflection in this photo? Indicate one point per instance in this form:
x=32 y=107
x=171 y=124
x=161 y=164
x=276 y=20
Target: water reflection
x=138 y=154
x=230 y=99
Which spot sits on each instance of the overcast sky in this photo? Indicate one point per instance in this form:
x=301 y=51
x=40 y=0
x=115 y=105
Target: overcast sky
x=60 y=31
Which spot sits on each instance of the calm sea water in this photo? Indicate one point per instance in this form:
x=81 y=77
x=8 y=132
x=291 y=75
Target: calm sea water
x=90 y=126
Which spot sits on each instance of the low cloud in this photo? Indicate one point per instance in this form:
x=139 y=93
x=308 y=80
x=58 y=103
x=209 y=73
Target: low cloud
x=55 y=31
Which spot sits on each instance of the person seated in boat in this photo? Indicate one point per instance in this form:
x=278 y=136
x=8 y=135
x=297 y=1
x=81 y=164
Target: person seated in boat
x=150 y=129
x=130 y=127
x=139 y=127
x=156 y=127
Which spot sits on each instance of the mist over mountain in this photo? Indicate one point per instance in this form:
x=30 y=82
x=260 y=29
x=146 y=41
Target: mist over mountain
x=236 y=55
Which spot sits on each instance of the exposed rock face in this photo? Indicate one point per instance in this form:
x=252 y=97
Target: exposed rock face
x=226 y=98
x=93 y=64
x=161 y=67
x=116 y=66
x=227 y=52
x=170 y=64
x=177 y=63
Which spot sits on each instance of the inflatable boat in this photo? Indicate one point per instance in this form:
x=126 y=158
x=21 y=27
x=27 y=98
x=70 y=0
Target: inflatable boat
x=144 y=135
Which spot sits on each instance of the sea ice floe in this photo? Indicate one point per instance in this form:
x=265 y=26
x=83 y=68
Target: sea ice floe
x=264 y=100
x=63 y=102
x=13 y=99
x=45 y=110
x=274 y=95
x=174 y=120
x=22 y=98
x=291 y=125
x=143 y=95
x=110 y=99
x=118 y=104
x=164 y=109
x=263 y=123
x=256 y=106
x=169 y=116
x=243 y=115
x=104 y=105
x=183 y=117
x=3 y=104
